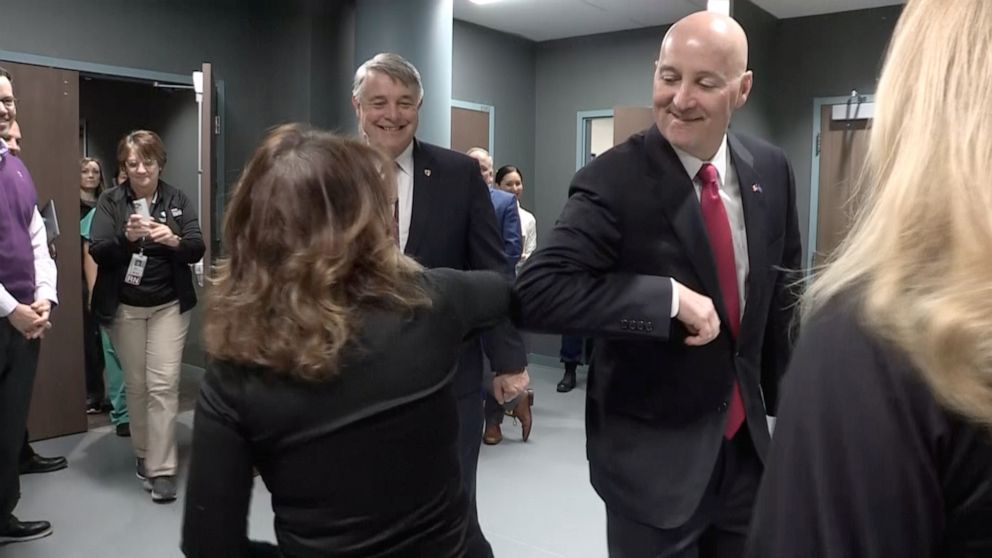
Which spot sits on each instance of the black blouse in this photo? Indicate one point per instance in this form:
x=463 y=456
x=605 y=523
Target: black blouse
x=365 y=464
x=864 y=462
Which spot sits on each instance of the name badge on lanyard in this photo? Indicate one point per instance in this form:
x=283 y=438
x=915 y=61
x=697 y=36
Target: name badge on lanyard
x=136 y=270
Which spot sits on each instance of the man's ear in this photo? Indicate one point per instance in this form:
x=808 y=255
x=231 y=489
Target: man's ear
x=747 y=80
x=354 y=103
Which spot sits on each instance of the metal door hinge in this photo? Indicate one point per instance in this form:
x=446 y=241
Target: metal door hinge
x=216 y=124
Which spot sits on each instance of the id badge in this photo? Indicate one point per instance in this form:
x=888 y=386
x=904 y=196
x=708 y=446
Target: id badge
x=136 y=270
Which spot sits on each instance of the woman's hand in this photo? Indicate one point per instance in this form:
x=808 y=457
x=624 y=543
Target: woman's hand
x=136 y=228
x=162 y=234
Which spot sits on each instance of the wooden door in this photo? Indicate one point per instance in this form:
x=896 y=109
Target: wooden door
x=48 y=114
x=628 y=121
x=469 y=128
x=843 y=147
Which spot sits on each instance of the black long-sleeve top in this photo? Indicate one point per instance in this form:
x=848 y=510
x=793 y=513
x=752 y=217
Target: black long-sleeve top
x=365 y=464
x=865 y=463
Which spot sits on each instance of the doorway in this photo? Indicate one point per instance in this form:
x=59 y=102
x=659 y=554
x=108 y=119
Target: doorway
x=841 y=127
x=75 y=109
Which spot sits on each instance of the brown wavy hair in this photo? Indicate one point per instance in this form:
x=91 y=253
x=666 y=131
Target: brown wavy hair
x=308 y=231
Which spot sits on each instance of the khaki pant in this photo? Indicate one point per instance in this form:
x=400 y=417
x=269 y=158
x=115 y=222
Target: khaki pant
x=149 y=342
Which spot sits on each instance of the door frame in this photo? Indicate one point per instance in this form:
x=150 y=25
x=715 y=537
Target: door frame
x=814 y=179
x=581 y=141
x=145 y=75
x=481 y=107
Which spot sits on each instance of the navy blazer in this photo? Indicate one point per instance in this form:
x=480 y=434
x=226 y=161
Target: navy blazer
x=453 y=225
x=508 y=219
x=655 y=406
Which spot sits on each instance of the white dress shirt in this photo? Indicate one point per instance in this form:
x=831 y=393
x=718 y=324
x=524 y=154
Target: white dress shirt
x=730 y=194
x=45 y=272
x=528 y=230
x=404 y=191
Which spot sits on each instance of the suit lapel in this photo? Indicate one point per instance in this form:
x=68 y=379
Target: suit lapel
x=422 y=198
x=681 y=206
x=753 y=202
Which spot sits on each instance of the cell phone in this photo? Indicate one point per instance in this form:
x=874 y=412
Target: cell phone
x=141 y=208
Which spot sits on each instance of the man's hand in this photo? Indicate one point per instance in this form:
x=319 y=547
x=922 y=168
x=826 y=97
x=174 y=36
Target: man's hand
x=162 y=234
x=698 y=315
x=27 y=321
x=510 y=385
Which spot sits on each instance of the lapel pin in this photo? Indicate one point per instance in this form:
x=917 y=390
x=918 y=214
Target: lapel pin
x=756 y=188
x=427 y=172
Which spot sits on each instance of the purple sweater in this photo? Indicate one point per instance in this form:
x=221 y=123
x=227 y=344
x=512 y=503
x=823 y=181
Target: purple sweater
x=18 y=199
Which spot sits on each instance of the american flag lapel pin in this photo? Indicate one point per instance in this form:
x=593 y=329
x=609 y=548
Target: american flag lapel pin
x=427 y=172
x=756 y=188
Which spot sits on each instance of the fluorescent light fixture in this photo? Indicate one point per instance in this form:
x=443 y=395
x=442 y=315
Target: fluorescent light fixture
x=483 y=2
x=719 y=6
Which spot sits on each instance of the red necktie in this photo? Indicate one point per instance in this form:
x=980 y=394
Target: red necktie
x=722 y=244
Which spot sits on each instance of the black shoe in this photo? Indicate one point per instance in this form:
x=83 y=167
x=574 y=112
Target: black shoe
x=39 y=464
x=21 y=531
x=567 y=382
x=96 y=406
x=124 y=430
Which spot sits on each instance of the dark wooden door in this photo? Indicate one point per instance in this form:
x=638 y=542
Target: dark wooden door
x=48 y=114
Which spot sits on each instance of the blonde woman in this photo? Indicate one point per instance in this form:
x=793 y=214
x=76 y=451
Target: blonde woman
x=884 y=442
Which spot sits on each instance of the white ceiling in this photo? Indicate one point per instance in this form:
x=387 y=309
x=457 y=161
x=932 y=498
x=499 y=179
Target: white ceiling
x=784 y=9
x=544 y=20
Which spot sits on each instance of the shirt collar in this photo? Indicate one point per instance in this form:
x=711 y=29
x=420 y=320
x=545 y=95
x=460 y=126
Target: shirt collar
x=692 y=164
x=405 y=160
x=3 y=148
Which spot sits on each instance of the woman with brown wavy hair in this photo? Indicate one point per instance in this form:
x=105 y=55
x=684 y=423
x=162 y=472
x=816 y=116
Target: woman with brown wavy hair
x=332 y=363
x=883 y=445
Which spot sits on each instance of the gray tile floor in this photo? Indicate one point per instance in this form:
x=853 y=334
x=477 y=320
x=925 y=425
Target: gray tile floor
x=534 y=499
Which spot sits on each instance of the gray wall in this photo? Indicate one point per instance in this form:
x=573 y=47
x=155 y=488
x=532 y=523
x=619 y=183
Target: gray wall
x=261 y=50
x=583 y=73
x=756 y=117
x=822 y=56
x=497 y=69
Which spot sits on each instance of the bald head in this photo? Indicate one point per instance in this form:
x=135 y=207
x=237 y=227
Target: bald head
x=700 y=80
x=713 y=33
x=485 y=163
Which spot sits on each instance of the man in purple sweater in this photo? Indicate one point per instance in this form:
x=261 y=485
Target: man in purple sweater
x=27 y=293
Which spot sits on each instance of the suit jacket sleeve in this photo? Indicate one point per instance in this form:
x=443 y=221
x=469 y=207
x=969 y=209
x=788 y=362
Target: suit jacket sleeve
x=780 y=332
x=502 y=344
x=512 y=241
x=572 y=284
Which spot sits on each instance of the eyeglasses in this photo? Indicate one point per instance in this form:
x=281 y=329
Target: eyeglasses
x=8 y=102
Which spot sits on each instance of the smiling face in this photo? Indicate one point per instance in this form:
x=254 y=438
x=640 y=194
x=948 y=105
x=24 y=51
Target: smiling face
x=388 y=113
x=8 y=106
x=143 y=173
x=699 y=82
x=512 y=183
x=90 y=176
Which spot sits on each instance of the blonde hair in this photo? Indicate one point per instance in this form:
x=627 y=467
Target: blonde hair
x=309 y=236
x=919 y=256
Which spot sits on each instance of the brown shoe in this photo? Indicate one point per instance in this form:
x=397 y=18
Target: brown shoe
x=493 y=435
x=522 y=413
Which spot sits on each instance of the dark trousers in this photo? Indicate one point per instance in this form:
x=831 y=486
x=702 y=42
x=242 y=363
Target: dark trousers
x=93 y=355
x=717 y=529
x=572 y=349
x=27 y=452
x=18 y=361
x=470 y=425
